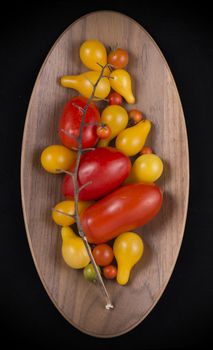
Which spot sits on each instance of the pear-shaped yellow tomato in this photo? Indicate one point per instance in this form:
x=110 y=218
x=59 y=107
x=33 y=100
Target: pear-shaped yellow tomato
x=67 y=207
x=131 y=140
x=73 y=249
x=128 y=249
x=84 y=82
x=116 y=118
x=121 y=82
x=146 y=168
x=57 y=157
x=93 y=55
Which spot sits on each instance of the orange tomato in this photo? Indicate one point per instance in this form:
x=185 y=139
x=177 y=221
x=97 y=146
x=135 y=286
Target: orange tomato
x=146 y=150
x=103 y=254
x=118 y=58
x=103 y=131
x=110 y=272
x=135 y=115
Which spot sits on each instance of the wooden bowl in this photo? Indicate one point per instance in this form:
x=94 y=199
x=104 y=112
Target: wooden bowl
x=79 y=301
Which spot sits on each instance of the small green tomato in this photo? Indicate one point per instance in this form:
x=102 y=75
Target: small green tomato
x=89 y=273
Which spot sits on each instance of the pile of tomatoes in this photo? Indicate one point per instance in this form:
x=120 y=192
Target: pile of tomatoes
x=116 y=173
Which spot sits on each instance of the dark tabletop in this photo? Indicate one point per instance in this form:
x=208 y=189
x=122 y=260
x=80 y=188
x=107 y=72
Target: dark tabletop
x=183 y=316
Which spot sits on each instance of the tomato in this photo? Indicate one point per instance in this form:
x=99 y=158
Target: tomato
x=128 y=249
x=135 y=115
x=93 y=55
x=106 y=167
x=131 y=140
x=70 y=122
x=103 y=254
x=147 y=168
x=146 y=150
x=125 y=209
x=116 y=118
x=67 y=207
x=110 y=272
x=115 y=98
x=118 y=58
x=89 y=273
x=103 y=131
x=84 y=82
x=73 y=249
x=57 y=157
x=121 y=82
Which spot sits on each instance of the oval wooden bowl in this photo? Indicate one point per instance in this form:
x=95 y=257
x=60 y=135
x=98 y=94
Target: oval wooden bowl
x=78 y=301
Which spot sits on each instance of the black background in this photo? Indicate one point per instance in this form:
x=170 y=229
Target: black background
x=183 y=316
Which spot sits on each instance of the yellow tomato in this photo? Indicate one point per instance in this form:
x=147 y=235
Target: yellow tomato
x=147 y=168
x=93 y=52
x=67 y=207
x=121 y=82
x=116 y=118
x=131 y=140
x=73 y=249
x=57 y=157
x=128 y=249
x=84 y=83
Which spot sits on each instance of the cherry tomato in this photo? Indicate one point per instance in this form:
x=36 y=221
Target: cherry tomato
x=103 y=131
x=146 y=150
x=118 y=58
x=103 y=254
x=115 y=98
x=57 y=157
x=135 y=115
x=125 y=209
x=89 y=273
x=110 y=272
x=70 y=122
x=106 y=167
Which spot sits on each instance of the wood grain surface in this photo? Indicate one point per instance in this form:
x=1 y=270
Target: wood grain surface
x=78 y=301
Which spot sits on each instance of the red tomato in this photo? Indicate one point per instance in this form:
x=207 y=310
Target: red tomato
x=110 y=272
x=146 y=150
x=135 y=115
x=70 y=121
x=125 y=209
x=118 y=58
x=106 y=167
x=103 y=254
x=103 y=131
x=115 y=98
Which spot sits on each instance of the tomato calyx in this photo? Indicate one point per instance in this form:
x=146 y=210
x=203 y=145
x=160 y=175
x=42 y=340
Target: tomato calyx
x=112 y=48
